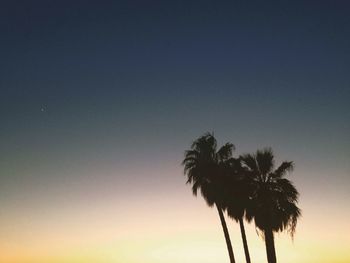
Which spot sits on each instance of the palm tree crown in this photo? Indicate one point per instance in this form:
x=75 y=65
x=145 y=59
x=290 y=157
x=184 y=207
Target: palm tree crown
x=275 y=198
x=205 y=165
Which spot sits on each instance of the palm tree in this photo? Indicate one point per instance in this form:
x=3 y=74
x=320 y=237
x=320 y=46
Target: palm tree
x=204 y=167
x=273 y=201
x=236 y=201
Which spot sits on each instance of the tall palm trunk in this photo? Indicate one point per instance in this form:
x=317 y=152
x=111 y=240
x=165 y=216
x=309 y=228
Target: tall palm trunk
x=244 y=239
x=270 y=246
x=227 y=236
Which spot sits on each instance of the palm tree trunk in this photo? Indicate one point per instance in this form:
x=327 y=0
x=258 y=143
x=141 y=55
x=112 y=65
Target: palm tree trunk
x=227 y=236
x=270 y=246
x=244 y=239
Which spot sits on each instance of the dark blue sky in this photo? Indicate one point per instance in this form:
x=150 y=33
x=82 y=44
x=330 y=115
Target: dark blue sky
x=94 y=83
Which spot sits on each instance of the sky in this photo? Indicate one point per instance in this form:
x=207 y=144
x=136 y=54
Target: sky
x=99 y=101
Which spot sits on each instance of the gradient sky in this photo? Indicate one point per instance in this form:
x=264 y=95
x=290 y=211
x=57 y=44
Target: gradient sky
x=99 y=101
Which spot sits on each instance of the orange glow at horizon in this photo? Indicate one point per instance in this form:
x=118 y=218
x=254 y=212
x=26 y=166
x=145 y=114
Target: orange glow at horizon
x=166 y=226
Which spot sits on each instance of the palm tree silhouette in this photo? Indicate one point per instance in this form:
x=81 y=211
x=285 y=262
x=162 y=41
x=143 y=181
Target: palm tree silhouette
x=237 y=198
x=273 y=199
x=205 y=166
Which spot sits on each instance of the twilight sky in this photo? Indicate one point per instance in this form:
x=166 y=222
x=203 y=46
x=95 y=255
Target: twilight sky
x=98 y=102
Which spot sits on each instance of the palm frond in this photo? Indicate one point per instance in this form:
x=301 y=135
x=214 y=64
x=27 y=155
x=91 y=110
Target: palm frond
x=265 y=160
x=205 y=143
x=283 y=169
x=248 y=161
x=225 y=152
x=288 y=189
